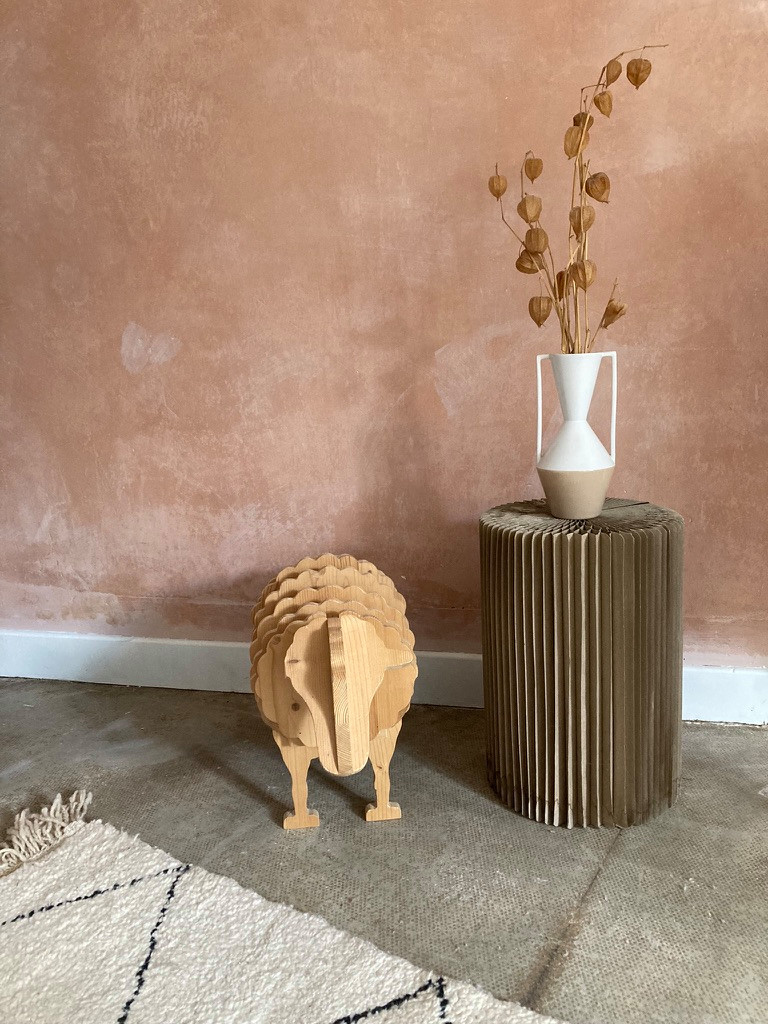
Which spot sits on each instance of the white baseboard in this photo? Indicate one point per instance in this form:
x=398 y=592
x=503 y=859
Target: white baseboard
x=710 y=694
x=451 y=679
x=713 y=694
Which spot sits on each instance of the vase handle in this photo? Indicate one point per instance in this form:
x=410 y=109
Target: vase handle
x=538 y=402
x=612 y=357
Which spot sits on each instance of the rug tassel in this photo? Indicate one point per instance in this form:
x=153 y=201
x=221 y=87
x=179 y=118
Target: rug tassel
x=33 y=834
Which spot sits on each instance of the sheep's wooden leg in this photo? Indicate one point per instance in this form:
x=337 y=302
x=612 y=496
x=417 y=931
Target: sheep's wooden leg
x=297 y=758
x=382 y=749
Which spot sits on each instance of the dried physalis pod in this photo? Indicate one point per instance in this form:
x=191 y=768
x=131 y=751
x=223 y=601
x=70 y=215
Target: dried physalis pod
x=576 y=139
x=584 y=273
x=533 y=167
x=562 y=281
x=583 y=118
x=540 y=306
x=582 y=218
x=529 y=208
x=497 y=185
x=528 y=262
x=612 y=71
x=613 y=311
x=638 y=70
x=604 y=102
x=536 y=240
x=598 y=186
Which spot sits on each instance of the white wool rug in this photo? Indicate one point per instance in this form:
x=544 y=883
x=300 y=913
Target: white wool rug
x=96 y=927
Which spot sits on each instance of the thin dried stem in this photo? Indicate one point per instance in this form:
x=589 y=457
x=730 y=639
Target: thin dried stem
x=584 y=248
x=639 y=49
x=504 y=219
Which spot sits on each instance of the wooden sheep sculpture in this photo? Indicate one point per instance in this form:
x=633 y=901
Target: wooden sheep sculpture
x=332 y=671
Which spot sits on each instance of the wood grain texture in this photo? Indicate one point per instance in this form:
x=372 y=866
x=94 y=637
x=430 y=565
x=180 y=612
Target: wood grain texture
x=582 y=661
x=332 y=671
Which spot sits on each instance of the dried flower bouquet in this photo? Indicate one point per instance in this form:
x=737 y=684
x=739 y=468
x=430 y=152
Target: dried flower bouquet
x=567 y=289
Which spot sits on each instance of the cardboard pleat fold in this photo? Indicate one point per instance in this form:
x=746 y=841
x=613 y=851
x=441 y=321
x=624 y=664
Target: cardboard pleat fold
x=582 y=660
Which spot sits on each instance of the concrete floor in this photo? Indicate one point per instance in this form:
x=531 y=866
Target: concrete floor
x=667 y=922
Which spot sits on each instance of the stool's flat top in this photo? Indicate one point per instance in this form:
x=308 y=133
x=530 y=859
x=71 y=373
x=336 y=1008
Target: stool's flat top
x=619 y=515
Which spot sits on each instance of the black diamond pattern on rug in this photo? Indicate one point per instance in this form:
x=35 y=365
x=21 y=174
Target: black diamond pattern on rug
x=174 y=869
x=432 y=990
x=142 y=971
x=173 y=872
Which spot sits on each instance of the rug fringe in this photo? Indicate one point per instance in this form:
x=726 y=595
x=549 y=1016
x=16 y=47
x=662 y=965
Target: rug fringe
x=32 y=834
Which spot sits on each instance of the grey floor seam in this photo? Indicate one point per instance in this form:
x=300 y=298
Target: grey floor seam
x=534 y=991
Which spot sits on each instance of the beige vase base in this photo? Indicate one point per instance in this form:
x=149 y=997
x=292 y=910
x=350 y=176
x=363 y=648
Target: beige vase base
x=575 y=494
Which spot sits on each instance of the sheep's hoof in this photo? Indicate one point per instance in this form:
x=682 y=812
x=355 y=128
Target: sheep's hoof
x=306 y=819
x=373 y=812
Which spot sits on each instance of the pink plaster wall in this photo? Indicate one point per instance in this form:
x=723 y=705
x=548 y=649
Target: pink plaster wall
x=257 y=303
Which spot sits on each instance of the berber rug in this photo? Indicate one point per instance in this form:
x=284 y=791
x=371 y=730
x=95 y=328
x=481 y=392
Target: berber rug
x=96 y=927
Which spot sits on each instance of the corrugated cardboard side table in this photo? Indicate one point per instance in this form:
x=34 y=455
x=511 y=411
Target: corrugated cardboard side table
x=583 y=661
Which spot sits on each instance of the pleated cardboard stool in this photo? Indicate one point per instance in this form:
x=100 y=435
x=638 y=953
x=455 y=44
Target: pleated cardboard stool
x=583 y=660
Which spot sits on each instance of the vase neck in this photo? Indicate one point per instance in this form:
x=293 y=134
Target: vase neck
x=575 y=378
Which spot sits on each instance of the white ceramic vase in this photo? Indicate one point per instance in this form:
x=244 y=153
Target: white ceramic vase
x=576 y=469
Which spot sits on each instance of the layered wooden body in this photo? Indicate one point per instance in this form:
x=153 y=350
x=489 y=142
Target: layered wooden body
x=333 y=670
